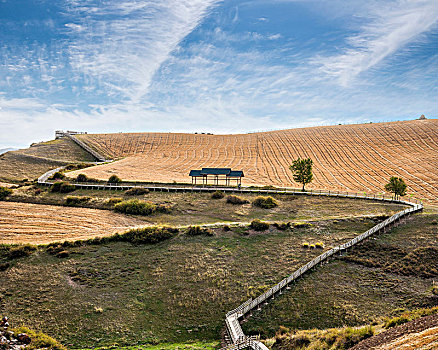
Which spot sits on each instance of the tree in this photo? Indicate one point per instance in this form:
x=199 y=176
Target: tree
x=397 y=186
x=114 y=179
x=302 y=171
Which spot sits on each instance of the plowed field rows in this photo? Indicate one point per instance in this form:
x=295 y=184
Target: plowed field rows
x=348 y=158
x=36 y=223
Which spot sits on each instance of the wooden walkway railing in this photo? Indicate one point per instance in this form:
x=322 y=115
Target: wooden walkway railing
x=232 y=318
x=238 y=339
x=87 y=148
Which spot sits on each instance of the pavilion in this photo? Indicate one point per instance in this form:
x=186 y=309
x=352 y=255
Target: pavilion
x=217 y=174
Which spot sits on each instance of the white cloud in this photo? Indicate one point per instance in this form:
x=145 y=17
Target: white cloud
x=394 y=24
x=122 y=53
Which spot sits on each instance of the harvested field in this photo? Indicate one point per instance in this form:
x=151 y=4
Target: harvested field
x=38 y=224
x=418 y=334
x=358 y=158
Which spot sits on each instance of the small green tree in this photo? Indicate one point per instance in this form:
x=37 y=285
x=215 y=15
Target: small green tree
x=302 y=171
x=114 y=179
x=397 y=186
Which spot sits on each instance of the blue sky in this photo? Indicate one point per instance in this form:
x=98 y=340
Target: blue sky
x=213 y=66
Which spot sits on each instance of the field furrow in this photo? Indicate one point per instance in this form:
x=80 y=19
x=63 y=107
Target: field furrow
x=346 y=157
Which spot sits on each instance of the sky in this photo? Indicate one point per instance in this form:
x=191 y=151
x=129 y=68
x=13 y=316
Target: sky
x=212 y=66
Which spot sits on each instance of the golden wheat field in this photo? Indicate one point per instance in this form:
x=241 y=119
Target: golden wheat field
x=40 y=224
x=357 y=158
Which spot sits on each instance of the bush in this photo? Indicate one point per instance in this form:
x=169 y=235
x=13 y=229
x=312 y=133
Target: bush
x=113 y=200
x=39 y=340
x=265 y=202
x=164 y=208
x=136 y=207
x=305 y=245
x=198 y=231
x=319 y=245
x=283 y=226
x=312 y=246
x=78 y=166
x=136 y=191
x=258 y=225
x=302 y=224
x=396 y=321
x=114 y=179
x=147 y=235
x=4 y=192
x=21 y=251
x=62 y=187
x=217 y=195
x=226 y=228
x=76 y=200
x=82 y=178
x=232 y=199
x=58 y=176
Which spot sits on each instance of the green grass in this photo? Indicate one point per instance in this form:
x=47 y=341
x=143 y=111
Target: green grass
x=199 y=208
x=176 y=291
x=351 y=292
x=173 y=346
x=32 y=162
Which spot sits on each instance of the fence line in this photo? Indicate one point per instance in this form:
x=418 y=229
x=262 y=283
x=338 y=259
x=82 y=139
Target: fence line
x=239 y=340
x=87 y=148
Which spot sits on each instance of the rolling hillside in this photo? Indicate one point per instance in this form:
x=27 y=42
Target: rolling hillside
x=346 y=157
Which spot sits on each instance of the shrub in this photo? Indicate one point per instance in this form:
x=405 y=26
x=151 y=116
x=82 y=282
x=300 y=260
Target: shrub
x=198 y=231
x=302 y=224
x=396 y=321
x=312 y=246
x=39 y=340
x=76 y=200
x=349 y=337
x=283 y=226
x=226 y=228
x=319 y=245
x=58 y=176
x=265 y=202
x=258 y=225
x=217 y=195
x=4 y=192
x=232 y=199
x=21 y=251
x=63 y=254
x=146 y=235
x=305 y=245
x=113 y=200
x=78 y=166
x=136 y=191
x=82 y=178
x=114 y=179
x=135 y=206
x=164 y=208
x=62 y=187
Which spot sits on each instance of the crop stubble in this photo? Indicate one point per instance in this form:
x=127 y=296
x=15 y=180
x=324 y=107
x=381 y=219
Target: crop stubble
x=358 y=158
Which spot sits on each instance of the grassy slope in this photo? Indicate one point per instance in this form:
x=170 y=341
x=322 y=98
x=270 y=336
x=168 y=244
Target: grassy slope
x=347 y=293
x=175 y=291
x=30 y=163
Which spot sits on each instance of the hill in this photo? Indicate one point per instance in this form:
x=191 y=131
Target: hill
x=358 y=158
x=32 y=162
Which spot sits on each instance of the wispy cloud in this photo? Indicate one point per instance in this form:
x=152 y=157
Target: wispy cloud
x=393 y=25
x=122 y=43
